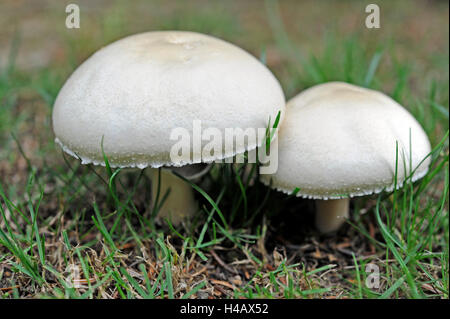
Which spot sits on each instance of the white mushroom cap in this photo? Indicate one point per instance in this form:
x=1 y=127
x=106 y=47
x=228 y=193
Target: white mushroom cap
x=133 y=92
x=339 y=140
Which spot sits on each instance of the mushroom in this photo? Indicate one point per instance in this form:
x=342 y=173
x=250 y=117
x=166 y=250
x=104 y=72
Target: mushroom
x=339 y=141
x=137 y=91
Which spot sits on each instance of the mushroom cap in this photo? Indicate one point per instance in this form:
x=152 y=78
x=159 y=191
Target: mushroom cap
x=339 y=140
x=135 y=91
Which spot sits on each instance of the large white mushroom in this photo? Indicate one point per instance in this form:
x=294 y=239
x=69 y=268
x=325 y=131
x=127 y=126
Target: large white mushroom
x=134 y=92
x=339 y=141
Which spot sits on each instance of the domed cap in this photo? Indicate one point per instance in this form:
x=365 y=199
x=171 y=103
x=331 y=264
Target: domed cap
x=339 y=140
x=135 y=91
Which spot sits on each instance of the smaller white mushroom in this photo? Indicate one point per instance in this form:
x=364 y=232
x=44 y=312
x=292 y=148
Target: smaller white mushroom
x=339 y=141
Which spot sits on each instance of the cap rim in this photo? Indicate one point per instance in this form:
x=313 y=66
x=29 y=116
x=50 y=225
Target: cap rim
x=324 y=196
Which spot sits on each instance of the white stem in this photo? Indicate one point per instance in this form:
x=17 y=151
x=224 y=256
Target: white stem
x=180 y=203
x=331 y=214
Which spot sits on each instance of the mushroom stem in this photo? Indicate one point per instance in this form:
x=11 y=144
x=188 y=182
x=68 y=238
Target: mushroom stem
x=180 y=202
x=331 y=214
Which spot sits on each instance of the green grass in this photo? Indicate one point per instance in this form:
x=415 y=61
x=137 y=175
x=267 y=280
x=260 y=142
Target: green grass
x=246 y=241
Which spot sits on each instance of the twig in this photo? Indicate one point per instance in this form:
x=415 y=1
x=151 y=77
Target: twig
x=221 y=262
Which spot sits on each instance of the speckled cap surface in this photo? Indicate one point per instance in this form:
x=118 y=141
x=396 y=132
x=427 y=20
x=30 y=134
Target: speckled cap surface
x=135 y=91
x=339 y=140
